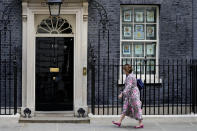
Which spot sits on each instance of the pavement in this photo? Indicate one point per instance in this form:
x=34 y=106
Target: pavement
x=104 y=124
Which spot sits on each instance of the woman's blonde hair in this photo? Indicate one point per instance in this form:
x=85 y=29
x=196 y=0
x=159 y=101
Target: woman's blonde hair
x=127 y=68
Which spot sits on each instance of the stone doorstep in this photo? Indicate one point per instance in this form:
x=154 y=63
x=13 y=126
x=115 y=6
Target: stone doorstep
x=54 y=120
x=54 y=113
x=54 y=117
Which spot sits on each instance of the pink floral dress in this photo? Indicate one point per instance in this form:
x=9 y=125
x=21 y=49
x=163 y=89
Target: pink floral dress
x=131 y=94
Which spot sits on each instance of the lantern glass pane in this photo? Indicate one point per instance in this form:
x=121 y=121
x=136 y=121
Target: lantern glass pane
x=54 y=9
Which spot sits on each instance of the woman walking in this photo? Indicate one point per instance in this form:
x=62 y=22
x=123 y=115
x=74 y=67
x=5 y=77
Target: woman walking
x=131 y=94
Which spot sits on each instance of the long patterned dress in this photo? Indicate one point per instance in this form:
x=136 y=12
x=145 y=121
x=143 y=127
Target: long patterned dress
x=131 y=94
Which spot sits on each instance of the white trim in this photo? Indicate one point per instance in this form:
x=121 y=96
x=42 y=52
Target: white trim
x=80 y=55
x=139 y=41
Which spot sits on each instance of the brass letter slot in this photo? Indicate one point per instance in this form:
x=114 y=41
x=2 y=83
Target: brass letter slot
x=54 y=69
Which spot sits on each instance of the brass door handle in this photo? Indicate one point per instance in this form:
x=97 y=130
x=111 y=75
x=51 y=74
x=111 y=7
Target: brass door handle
x=54 y=78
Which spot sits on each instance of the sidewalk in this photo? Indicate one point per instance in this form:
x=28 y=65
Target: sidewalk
x=104 y=124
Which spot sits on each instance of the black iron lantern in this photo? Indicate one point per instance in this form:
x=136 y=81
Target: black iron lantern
x=54 y=7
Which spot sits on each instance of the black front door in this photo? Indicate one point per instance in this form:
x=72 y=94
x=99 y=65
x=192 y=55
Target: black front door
x=54 y=74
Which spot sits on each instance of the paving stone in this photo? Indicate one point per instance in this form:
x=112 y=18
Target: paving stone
x=39 y=127
x=105 y=125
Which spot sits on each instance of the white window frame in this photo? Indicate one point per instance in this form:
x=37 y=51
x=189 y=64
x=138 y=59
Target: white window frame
x=148 y=76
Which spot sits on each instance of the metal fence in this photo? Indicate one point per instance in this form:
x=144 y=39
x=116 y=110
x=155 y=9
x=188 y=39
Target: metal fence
x=8 y=60
x=170 y=86
x=8 y=75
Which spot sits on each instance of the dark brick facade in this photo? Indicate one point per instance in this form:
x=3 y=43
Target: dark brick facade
x=194 y=29
x=14 y=11
x=175 y=26
x=175 y=29
x=178 y=29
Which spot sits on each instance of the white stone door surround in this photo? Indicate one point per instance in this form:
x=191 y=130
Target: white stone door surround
x=30 y=10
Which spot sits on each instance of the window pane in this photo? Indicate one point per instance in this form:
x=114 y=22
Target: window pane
x=126 y=49
x=126 y=61
x=139 y=32
x=127 y=31
x=151 y=15
x=139 y=66
x=127 y=15
x=151 y=49
x=151 y=32
x=139 y=15
x=138 y=49
x=151 y=66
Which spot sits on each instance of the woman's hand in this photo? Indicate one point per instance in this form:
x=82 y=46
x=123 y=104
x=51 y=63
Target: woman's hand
x=120 y=96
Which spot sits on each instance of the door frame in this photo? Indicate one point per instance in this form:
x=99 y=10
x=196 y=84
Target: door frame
x=30 y=10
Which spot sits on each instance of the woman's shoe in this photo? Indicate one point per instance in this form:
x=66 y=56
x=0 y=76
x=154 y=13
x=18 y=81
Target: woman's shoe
x=142 y=126
x=116 y=123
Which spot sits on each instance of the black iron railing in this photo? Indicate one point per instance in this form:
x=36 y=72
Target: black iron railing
x=8 y=60
x=8 y=87
x=170 y=86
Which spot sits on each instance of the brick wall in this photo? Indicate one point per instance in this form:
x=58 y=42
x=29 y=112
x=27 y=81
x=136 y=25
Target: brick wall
x=175 y=26
x=15 y=27
x=194 y=29
x=175 y=30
